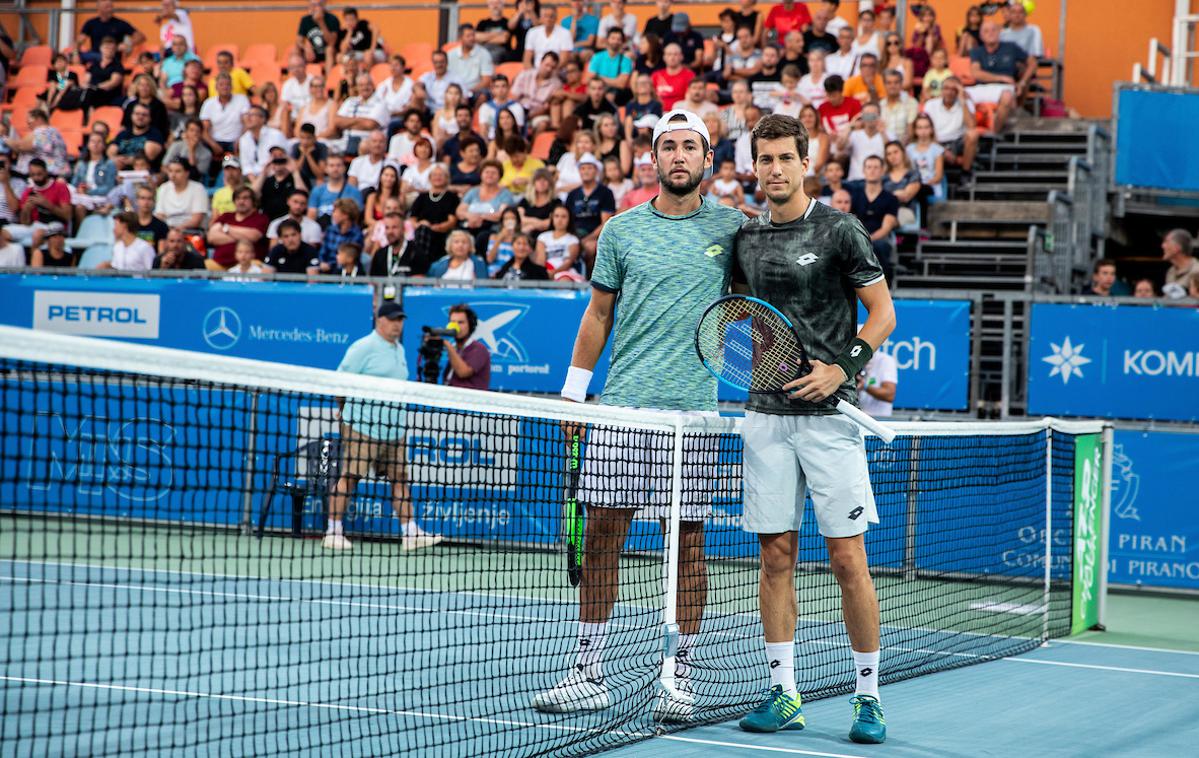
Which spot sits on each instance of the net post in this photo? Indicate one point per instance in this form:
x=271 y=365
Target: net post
x=1106 y=517
x=670 y=620
x=247 y=516
x=1048 y=531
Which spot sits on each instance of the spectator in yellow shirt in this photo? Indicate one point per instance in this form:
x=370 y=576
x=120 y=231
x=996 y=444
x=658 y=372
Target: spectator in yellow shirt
x=242 y=83
x=520 y=166
x=867 y=86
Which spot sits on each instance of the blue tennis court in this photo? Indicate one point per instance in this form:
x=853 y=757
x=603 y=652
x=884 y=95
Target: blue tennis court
x=225 y=649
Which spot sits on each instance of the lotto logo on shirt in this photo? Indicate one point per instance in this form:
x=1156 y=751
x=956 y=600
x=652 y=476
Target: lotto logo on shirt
x=96 y=314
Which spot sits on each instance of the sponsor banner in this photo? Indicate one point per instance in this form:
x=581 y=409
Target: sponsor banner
x=931 y=348
x=1105 y=361
x=286 y=322
x=530 y=333
x=1154 y=534
x=95 y=314
x=1088 y=531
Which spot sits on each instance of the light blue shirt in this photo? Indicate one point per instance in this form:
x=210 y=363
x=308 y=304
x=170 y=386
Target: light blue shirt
x=172 y=67
x=374 y=356
x=604 y=64
x=581 y=28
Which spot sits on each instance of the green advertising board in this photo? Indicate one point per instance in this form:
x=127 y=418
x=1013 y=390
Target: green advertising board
x=1088 y=531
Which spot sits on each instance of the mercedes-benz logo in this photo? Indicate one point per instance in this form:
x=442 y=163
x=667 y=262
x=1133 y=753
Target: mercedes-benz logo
x=222 y=328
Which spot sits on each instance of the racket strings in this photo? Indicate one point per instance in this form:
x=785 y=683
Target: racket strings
x=747 y=344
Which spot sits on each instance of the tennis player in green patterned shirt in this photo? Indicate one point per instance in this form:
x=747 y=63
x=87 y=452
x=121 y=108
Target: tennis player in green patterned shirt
x=662 y=262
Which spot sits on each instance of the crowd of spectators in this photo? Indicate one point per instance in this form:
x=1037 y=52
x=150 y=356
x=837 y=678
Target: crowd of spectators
x=502 y=155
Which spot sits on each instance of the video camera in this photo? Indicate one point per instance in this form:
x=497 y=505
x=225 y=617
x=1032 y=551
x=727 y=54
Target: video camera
x=428 y=365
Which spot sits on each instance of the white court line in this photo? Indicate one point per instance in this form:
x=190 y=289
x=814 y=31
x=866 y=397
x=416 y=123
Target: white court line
x=312 y=601
x=1117 y=646
x=744 y=746
x=317 y=582
x=326 y=706
x=1102 y=668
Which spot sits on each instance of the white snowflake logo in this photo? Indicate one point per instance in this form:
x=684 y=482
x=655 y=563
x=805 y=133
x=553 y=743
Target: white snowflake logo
x=1067 y=360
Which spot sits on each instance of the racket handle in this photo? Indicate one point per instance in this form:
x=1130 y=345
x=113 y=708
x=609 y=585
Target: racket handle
x=885 y=433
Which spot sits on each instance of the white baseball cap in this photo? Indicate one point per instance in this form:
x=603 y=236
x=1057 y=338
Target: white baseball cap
x=643 y=160
x=693 y=123
x=588 y=159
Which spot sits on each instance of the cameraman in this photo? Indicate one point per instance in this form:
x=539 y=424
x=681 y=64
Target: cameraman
x=469 y=362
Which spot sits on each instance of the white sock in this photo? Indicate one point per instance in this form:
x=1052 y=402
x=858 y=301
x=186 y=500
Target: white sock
x=591 y=649
x=781 y=657
x=334 y=527
x=682 y=661
x=866 y=665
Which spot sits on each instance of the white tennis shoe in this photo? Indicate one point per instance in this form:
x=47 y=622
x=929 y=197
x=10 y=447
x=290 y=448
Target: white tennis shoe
x=574 y=693
x=336 y=542
x=420 y=541
x=675 y=706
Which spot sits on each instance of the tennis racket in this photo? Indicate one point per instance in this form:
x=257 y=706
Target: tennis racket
x=572 y=514
x=749 y=344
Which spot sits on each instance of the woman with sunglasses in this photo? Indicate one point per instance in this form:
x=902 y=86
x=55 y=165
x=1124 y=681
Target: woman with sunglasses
x=893 y=59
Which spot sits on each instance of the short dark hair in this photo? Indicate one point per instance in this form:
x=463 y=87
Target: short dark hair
x=298 y=191
x=882 y=163
x=353 y=248
x=834 y=83
x=1101 y=263
x=287 y=224
x=243 y=190
x=777 y=126
x=551 y=55
x=500 y=78
x=128 y=218
x=307 y=128
x=37 y=162
x=515 y=144
x=472 y=319
x=465 y=26
x=615 y=30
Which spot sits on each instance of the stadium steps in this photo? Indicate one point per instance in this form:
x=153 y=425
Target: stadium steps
x=977 y=240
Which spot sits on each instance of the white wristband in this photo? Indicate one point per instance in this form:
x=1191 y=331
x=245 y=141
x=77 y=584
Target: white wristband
x=577 y=380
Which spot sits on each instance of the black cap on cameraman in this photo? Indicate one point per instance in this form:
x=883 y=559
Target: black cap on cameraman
x=390 y=309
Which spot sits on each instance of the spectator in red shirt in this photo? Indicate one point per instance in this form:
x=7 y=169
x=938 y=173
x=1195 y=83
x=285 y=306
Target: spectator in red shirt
x=469 y=363
x=786 y=17
x=45 y=209
x=837 y=110
x=244 y=223
x=671 y=82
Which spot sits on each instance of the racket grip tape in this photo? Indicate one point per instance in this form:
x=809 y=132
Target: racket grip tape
x=864 y=420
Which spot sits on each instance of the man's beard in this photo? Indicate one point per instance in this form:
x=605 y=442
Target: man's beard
x=680 y=189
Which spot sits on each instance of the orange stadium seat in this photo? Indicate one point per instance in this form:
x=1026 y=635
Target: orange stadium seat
x=960 y=66
x=333 y=80
x=109 y=114
x=30 y=76
x=26 y=96
x=417 y=54
x=316 y=69
x=74 y=140
x=37 y=55
x=380 y=71
x=65 y=121
x=262 y=54
x=510 y=70
x=211 y=53
x=541 y=145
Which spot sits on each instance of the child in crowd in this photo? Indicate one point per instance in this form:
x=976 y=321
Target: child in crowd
x=244 y=255
x=725 y=184
x=615 y=180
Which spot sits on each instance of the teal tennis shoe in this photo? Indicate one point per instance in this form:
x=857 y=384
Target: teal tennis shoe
x=869 y=727
x=777 y=711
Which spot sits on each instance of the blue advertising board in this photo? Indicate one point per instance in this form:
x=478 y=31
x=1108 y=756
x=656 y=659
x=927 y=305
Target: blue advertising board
x=1154 y=538
x=1147 y=120
x=931 y=348
x=530 y=333
x=1114 y=361
x=307 y=325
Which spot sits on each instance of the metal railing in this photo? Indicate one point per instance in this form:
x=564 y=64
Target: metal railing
x=1148 y=74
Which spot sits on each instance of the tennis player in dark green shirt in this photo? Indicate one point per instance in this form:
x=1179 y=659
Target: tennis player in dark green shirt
x=813 y=263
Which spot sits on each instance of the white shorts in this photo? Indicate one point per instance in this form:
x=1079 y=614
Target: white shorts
x=989 y=93
x=786 y=457
x=627 y=468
